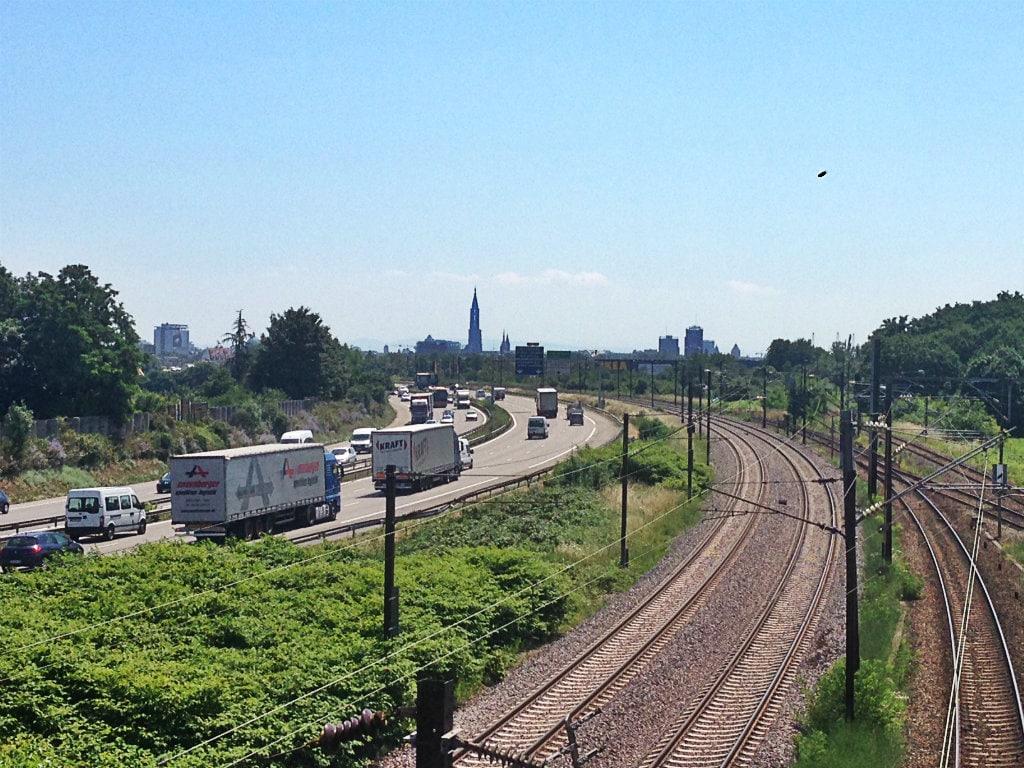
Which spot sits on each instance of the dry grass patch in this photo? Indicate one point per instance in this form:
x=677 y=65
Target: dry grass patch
x=644 y=504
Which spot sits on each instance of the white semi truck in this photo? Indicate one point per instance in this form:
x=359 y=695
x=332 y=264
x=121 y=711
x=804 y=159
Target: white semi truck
x=422 y=454
x=243 y=492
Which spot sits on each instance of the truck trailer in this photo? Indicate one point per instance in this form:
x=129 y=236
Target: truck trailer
x=243 y=492
x=547 y=402
x=421 y=408
x=422 y=454
x=440 y=395
x=462 y=398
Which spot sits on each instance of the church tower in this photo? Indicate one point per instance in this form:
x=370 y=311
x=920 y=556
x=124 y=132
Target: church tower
x=475 y=342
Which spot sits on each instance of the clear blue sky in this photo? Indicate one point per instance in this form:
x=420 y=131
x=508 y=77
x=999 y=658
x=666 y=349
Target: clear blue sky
x=603 y=173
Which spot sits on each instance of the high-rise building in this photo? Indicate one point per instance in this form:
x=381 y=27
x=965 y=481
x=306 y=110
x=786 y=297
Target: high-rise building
x=475 y=341
x=506 y=344
x=171 y=339
x=693 y=344
x=668 y=346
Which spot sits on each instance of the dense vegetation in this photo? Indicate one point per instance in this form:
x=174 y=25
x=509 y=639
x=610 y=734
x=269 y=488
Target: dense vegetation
x=201 y=655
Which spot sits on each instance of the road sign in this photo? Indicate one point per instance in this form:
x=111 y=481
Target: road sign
x=530 y=361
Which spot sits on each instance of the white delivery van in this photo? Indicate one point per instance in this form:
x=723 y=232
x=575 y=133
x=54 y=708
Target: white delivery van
x=362 y=439
x=465 y=453
x=103 y=512
x=537 y=426
x=297 y=436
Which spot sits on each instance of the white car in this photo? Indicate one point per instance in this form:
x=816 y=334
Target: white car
x=346 y=454
x=471 y=415
x=448 y=417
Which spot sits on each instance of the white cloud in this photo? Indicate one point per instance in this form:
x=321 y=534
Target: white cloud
x=752 y=289
x=452 y=277
x=553 y=277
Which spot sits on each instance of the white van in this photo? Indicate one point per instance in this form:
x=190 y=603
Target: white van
x=104 y=512
x=465 y=453
x=297 y=436
x=362 y=439
x=537 y=426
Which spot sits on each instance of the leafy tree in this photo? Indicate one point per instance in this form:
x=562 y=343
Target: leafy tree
x=299 y=356
x=17 y=429
x=784 y=355
x=76 y=350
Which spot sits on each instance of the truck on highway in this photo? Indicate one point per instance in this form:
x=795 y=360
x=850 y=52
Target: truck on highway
x=421 y=408
x=462 y=398
x=422 y=454
x=440 y=395
x=243 y=492
x=499 y=393
x=547 y=402
x=574 y=413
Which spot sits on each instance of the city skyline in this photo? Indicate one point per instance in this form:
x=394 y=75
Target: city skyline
x=603 y=173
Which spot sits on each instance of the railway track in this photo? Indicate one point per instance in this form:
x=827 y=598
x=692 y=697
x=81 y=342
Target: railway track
x=781 y=620
x=724 y=727
x=984 y=716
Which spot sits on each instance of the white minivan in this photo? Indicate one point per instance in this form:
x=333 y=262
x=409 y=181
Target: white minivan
x=362 y=439
x=536 y=426
x=465 y=453
x=297 y=436
x=103 y=512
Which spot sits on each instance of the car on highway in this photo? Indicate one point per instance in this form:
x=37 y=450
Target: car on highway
x=33 y=548
x=163 y=485
x=346 y=454
x=362 y=439
x=448 y=417
x=5 y=502
x=471 y=415
x=405 y=397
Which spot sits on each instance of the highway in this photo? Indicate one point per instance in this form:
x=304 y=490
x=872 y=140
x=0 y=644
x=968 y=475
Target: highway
x=509 y=455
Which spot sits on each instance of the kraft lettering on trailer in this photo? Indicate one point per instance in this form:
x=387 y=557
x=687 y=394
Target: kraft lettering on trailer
x=254 y=486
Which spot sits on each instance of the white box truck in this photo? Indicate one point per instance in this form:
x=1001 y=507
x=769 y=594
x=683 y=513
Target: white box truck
x=422 y=454
x=243 y=492
x=547 y=402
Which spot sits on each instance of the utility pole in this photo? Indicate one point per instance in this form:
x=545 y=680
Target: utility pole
x=624 y=550
x=764 y=398
x=689 y=459
x=850 y=534
x=708 y=437
x=390 y=590
x=887 y=537
x=876 y=347
x=803 y=408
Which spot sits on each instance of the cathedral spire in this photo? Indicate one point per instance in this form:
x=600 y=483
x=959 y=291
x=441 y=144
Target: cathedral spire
x=475 y=344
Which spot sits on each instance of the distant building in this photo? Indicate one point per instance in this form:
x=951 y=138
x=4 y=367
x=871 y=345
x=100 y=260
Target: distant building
x=171 y=339
x=218 y=355
x=432 y=346
x=710 y=348
x=506 y=345
x=668 y=346
x=475 y=345
x=693 y=343
x=735 y=351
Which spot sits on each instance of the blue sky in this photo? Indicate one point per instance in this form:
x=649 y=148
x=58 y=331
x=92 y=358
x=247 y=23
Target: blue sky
x=603 y=173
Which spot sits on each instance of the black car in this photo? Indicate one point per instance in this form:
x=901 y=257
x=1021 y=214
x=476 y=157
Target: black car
x=32 y=549
x=163 y=485
x=5 y=502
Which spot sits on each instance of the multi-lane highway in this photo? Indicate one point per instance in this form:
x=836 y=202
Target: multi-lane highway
x=509 y=455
